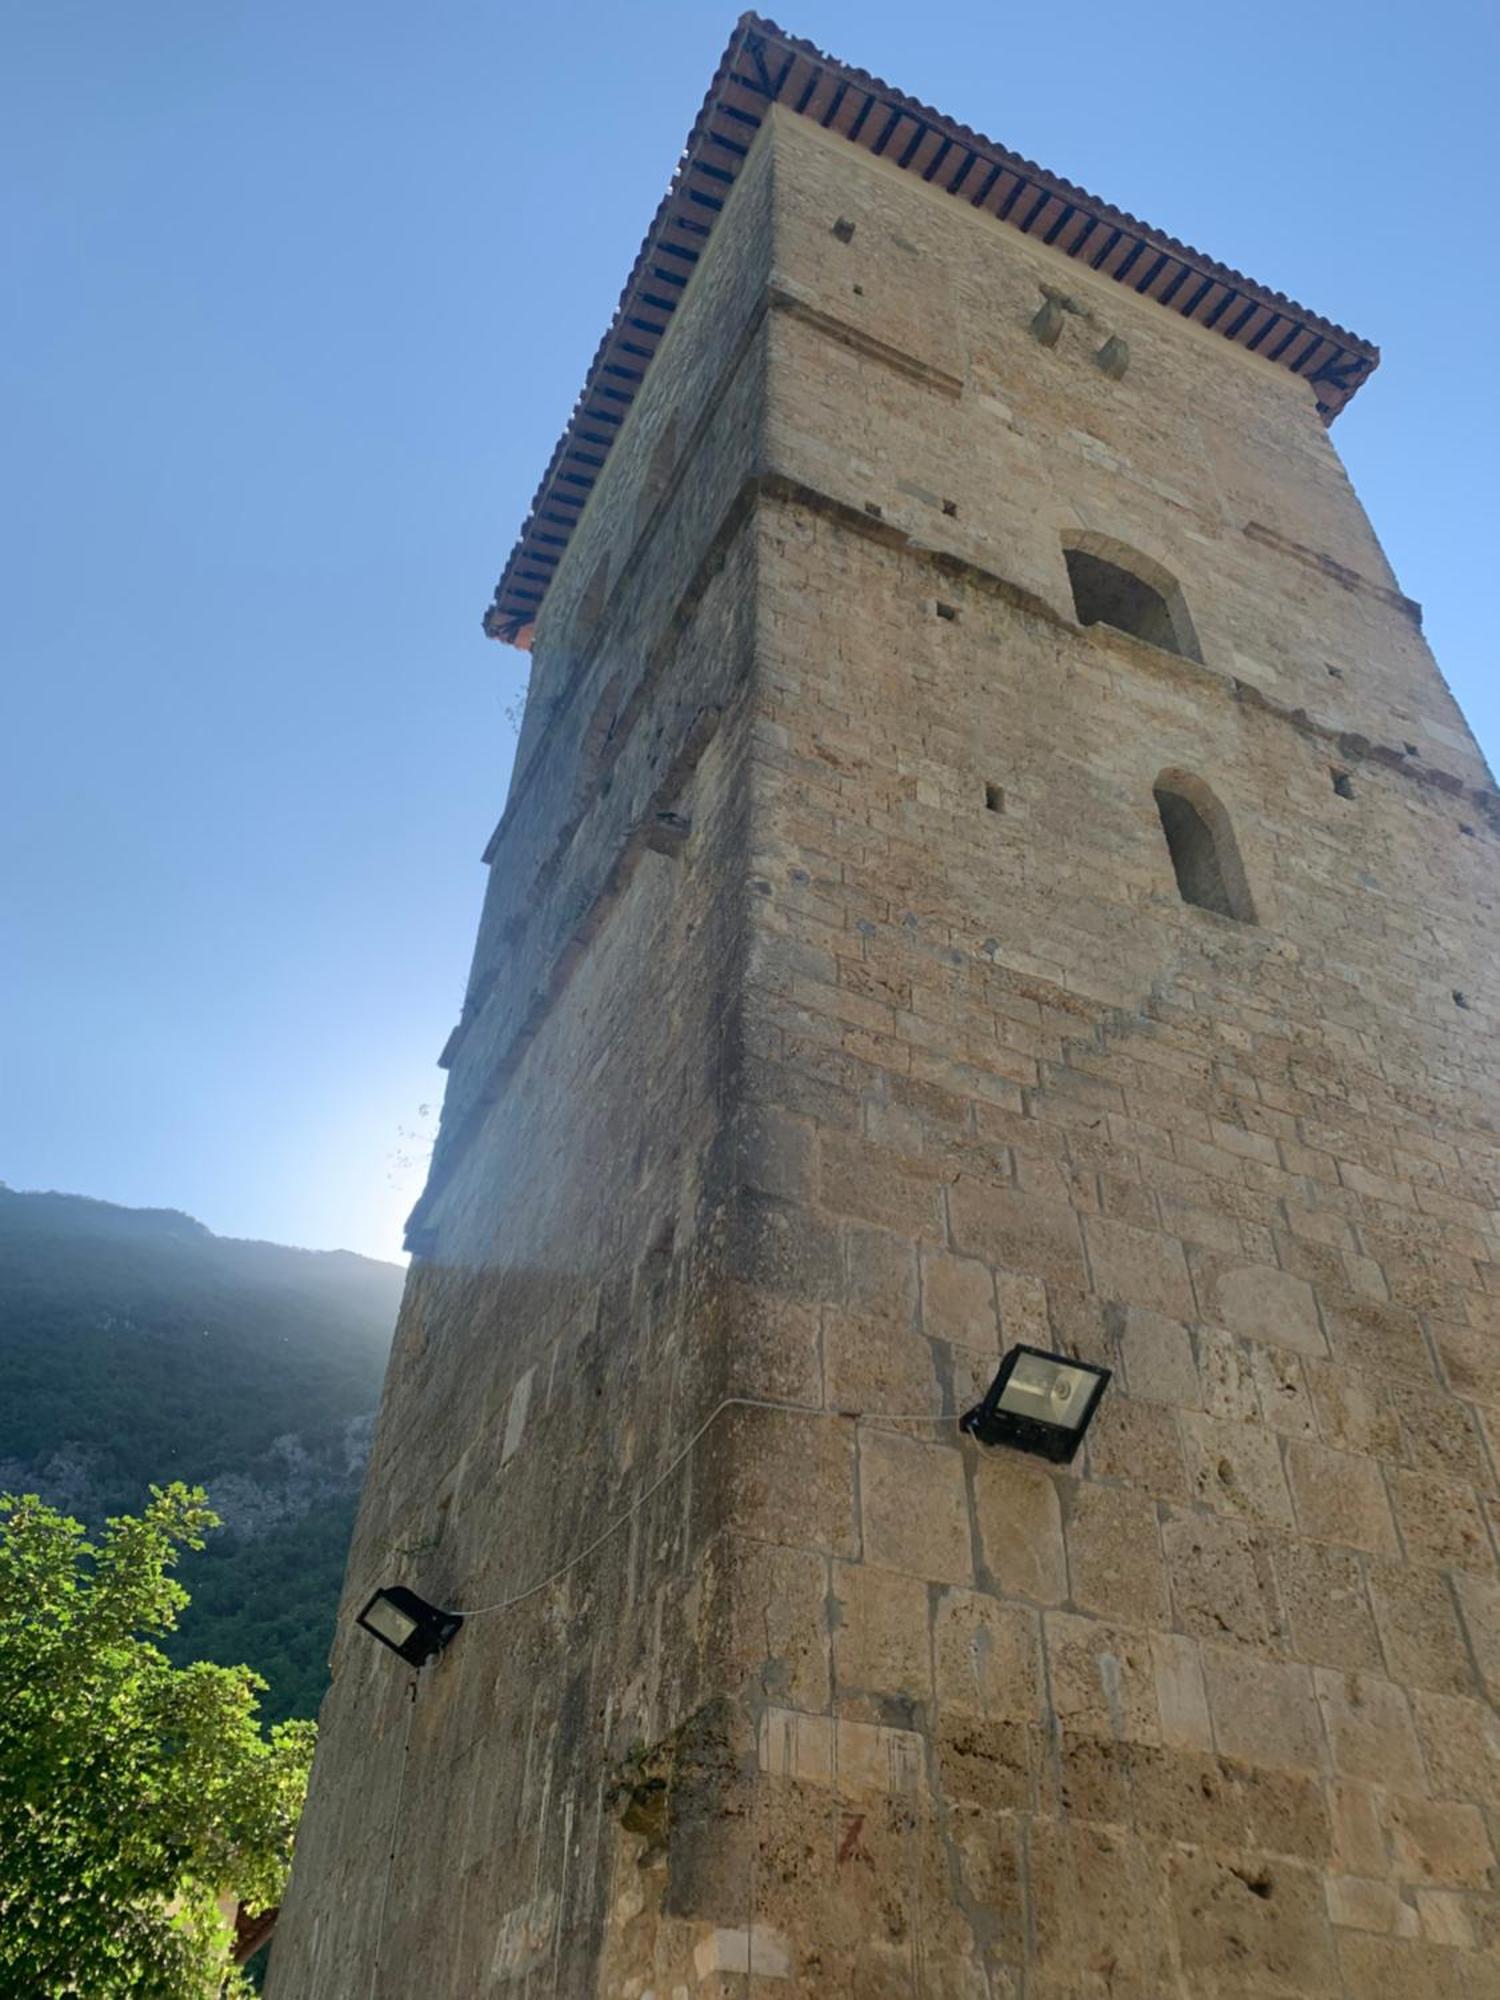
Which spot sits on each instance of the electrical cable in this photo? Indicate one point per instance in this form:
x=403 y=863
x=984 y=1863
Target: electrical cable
x=611 y=1528
x=729 y=1402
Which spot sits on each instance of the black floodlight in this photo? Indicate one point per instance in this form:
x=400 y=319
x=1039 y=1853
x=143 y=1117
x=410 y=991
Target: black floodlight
x=1038 y=1402
x=408 y=1624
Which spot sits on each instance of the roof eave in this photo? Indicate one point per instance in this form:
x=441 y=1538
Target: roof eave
x=763 y=66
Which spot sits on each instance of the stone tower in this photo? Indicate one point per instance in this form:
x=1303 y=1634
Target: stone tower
x=991 y=859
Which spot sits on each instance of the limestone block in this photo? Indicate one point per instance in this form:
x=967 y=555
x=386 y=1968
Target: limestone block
x=1441 y=1522
x=1097 y=1900
x=1382 y=1340
x=1236 y=1469
x=775 y=1352
x=1103 y=1679
x=1471 y=1362
x=1137 y=1444
x=857 y=1178
x=871 y=1370
x=1222 y=1578
x=985 y=1762
x=1227 y=1373
x=765 y=1628
x=1461 y=1744
x=958 y=1301
x=1158 y=1357
x=773 y=1152
x=1327 y=1606
x=1479 y=1602
x=792 y=1476
x=1023 y=1309
x=1114 y=1555
x=1020 y=1526
x=1356 y=1411
x=1281 y=1388
x=1370 y=1731
x=1359 y=1838
x=1355 y=1903
x=1440 y=1844
x=914 y=1507
x=988 y=1846
x=1259 y=1300
x=987 y=1658
x=1227 y=1806
x=1419 y=1628
x=847 y=1756
x=1263 y=1711
x=1181 y=1698
x=1087 y=1777
x=1396 y=1969
x=1249 y=1926
x=783 y=1248
x=1139 y=1267
x=880 y=1643
x=754 y=1949
x=515 y=1416
x=1340 y=1498
x=1441 y=1437
x=1444 y=1919
x=881 y=1277
x=1024 y=1232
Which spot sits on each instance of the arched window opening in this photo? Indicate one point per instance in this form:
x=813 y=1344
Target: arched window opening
x=1201 y=843
x=1113 y=586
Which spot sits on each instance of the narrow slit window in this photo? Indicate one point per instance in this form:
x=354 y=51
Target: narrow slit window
x=1107 y=591
x=1201 y=843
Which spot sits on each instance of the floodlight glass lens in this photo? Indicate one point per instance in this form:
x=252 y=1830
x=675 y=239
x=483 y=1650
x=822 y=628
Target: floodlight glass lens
x=1052 y=1392
x=393 y=1625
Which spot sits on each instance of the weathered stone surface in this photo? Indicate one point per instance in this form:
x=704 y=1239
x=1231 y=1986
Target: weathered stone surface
x=1249 y=1926
x=1019 y=1522
x=987 y=1658
x=1327 y=1605
x=881 y=1653
x=1237 y=1469
x=1114 y=1556
x=1263 y=1710
x=1340 y=1498
x=1102 y=1678
x=914 y=1507
x=1370 y=1732
x=838 y=1021
x=1258 y=1300
x=1223 y=1580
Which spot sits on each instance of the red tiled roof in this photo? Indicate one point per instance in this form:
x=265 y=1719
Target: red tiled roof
x=762 y=66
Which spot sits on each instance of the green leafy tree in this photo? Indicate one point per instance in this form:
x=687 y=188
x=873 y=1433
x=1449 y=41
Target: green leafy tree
x=133 y=1794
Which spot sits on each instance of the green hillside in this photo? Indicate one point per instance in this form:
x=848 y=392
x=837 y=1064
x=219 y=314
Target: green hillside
x=136 y=1346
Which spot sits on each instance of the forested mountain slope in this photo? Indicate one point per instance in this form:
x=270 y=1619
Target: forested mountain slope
x=136 y=1346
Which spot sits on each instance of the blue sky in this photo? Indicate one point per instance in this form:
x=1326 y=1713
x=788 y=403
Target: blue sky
x=307 y=291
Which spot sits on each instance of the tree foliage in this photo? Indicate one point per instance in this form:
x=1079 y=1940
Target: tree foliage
x=133 y=1794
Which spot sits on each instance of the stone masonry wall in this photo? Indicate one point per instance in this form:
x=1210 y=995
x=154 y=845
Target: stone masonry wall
x=835 y=1023
x=561 y=1330
x=1209 y=1714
